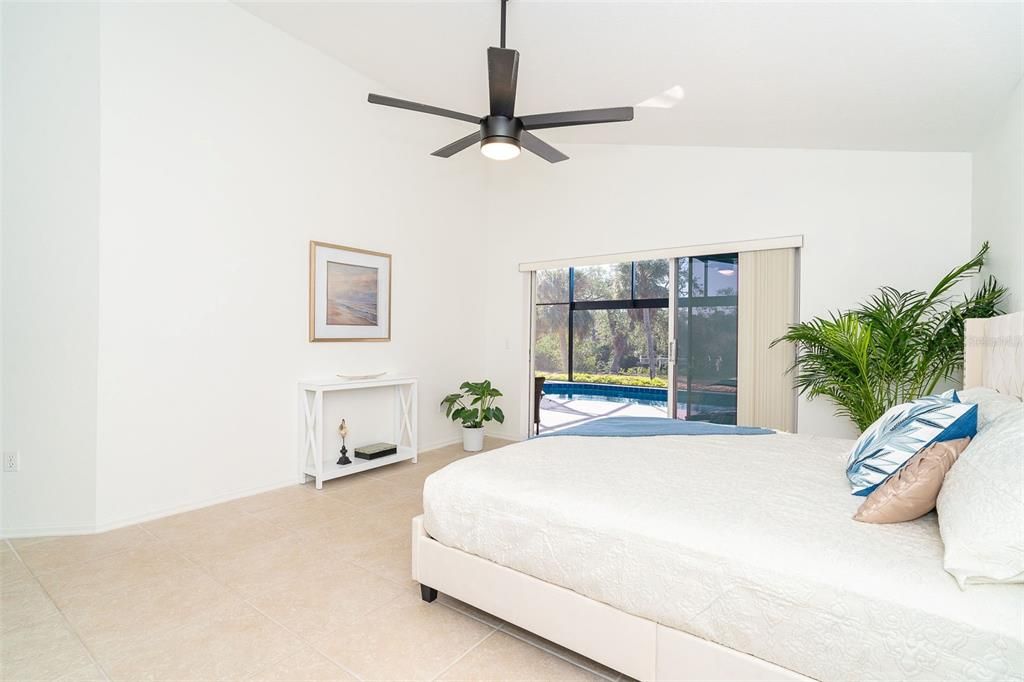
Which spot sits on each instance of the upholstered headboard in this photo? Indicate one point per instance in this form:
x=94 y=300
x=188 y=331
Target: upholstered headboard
x=994 y=354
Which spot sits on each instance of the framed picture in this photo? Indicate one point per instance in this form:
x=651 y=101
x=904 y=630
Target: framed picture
x=349 y=294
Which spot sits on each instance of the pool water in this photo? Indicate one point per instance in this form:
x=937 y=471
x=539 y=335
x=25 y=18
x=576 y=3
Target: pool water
x=636 y=395
x=718 y=406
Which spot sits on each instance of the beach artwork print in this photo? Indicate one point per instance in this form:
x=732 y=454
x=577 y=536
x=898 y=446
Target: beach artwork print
x=349 y=294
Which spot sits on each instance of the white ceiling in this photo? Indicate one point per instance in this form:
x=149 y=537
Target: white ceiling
x=849 y=75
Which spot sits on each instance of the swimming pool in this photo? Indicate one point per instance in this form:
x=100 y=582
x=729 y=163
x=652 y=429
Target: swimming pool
x=637 y=395
x=717 y=406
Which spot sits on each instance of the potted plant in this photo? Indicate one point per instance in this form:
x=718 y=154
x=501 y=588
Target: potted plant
x=481 y=409
x=893 y=348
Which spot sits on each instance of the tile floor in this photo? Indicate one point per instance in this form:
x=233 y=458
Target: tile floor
x=293 y=584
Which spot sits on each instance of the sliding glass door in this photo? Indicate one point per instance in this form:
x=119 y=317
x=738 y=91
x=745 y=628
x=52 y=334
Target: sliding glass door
x=640 y=338
x=705 y=293
x=601 y=342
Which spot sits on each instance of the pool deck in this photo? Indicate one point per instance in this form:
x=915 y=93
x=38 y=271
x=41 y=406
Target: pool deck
x=556 y=413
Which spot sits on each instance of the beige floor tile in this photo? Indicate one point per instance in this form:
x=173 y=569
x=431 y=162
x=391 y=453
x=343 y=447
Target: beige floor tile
x=111 y=573
x=336 y=484
x=560 y=651
x=411 y=480
x=274 y=498
x=502 y=657
x=466 y=609
x=115 y=625
x=390 y=558
x=397 y=514
x=363 y=492
x=12 y=569
x=399 y=469
x=444 y=456
x=406 y=639
x=90 y=673
x=351 y=535
x=53 y=553
x=44 y=651
x=455 y=451
x=305 y=665
x=165 y=600
x=428 y=463
x=18 y=543
x=289 y=560
x=205 y=542
x=310 y=608
x=187 y=523
x=23 y=603
x=313 y=511
x=228 y=647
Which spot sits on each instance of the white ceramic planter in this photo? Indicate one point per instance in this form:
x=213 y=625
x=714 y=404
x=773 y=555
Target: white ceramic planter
x=472 y=439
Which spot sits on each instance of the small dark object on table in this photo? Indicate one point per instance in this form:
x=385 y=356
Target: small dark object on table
x=376 y=450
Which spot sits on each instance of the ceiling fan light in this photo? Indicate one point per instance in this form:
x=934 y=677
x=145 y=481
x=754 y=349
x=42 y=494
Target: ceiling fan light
x=500 y=148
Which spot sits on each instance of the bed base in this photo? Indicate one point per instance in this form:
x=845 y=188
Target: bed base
x=629 y=644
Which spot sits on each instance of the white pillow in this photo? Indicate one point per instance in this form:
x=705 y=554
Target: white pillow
x=981 y=506
x=991 y=403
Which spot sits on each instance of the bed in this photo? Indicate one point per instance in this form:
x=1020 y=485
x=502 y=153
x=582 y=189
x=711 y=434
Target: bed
x=712 y=557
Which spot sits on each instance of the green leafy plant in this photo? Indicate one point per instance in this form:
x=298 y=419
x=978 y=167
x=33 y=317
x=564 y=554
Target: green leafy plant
x=617 y=379
x=481 y=407
x=892 y=348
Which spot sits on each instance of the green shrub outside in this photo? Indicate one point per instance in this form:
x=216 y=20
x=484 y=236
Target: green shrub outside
x=616 y=379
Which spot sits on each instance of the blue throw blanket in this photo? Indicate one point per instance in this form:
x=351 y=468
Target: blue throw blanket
x=656 y=426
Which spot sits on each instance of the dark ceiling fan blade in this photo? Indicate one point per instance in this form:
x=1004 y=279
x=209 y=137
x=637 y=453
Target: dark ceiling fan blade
x=422 y=108
x=562 y=119
x=502 y=72
x=457 y=146
x=540 y=147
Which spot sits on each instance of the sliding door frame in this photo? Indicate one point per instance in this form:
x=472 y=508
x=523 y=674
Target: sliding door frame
x=673 y=312
x=631 y=303
x=691 y=303
x=673 y=255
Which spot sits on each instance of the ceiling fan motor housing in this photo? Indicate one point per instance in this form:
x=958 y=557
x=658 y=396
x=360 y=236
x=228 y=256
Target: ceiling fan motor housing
x=501 y=129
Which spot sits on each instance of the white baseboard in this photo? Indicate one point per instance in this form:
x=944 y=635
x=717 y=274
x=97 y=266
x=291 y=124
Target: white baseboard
x=514 y=437
x=40 y=531
x=439 y=444
x=45 y=531
x=90 y=529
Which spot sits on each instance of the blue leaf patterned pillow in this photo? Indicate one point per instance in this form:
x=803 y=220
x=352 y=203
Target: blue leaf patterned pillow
x=901 y=432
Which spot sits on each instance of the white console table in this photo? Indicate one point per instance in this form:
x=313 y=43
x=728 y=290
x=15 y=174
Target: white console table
x=311 y=431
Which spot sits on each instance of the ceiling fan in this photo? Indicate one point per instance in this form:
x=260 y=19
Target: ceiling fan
x=502 y=133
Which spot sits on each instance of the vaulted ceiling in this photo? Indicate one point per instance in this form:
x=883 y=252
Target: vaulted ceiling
x=841 y=75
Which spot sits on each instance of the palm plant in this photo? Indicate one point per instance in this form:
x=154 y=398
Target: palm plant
x=892 y=348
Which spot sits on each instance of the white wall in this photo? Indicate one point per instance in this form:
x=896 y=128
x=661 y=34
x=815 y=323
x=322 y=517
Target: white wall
x=50 y=224
x=165 y=166
x=868 y=218
x=227 y=146
x=998 y=203
x=156 y=270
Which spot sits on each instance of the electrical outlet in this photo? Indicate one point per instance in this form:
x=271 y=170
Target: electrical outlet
x=11 y=461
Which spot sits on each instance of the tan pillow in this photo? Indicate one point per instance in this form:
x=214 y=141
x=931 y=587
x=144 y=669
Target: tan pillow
x=912 y=491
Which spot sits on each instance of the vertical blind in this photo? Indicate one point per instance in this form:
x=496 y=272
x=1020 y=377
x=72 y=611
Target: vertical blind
x=767 y=306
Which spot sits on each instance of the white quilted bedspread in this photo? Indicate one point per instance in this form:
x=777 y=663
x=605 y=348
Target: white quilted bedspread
x=743 y=540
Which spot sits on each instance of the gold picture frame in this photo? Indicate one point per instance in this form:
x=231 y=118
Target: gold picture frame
x=349 y=293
